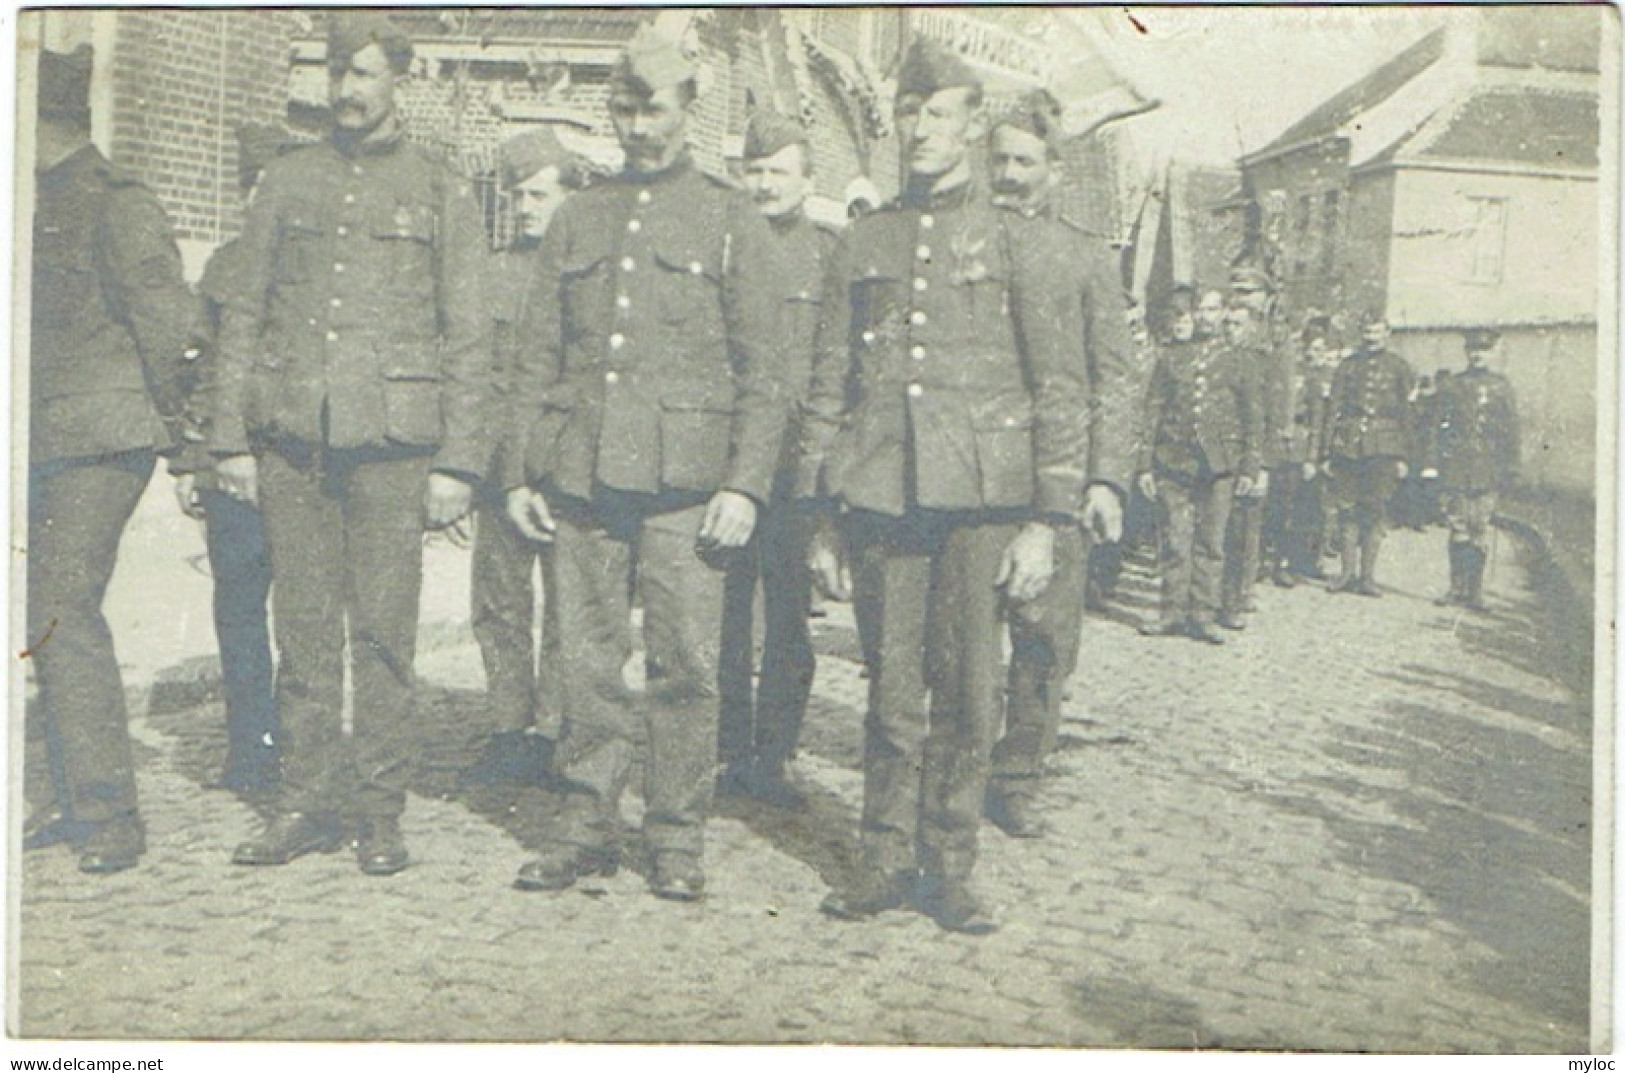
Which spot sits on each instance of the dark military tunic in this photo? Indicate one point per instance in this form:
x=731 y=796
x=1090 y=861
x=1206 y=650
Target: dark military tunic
x=1476 y=443
x=650 y=363
x=111 y=315
x=365 y=323
x=1368 y=414
x=110 y=320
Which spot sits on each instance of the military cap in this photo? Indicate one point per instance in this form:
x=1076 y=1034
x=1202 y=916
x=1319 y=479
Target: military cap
x=352 y=31
x=1481 y=338
x=929 y=68
x=651 y=62
x=64 y=84
x=768 y=132
x=1039 y=114
x=1250 y=276
x=257 y=145
x=529 y=152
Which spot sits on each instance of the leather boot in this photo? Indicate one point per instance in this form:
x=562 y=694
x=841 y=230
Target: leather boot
x=380 y=850
x=1348 y=566
x=290 y=835
x=1370 y=548
x=114 y=846
x=1473 y=577
x=1457 y=592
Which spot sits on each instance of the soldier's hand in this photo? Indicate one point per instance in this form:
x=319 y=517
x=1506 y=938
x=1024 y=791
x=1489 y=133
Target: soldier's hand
x=730 y=518
x=1402 y=468
x=186 y=495
x=826 y=558
x=1103 y=513
x=1148 y=485
x=1244 y=487
x=1028 y=563
x=527 y=510
x=239 y=477
x=446 y=500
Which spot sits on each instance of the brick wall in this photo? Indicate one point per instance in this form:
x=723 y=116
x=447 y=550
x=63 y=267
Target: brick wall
x=182 y=83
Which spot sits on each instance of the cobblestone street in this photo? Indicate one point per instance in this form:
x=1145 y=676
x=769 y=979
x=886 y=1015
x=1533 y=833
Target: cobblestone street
x=1361 y=825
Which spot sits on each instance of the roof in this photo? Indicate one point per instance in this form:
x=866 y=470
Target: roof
x=1545 y=128
x=1334 y=117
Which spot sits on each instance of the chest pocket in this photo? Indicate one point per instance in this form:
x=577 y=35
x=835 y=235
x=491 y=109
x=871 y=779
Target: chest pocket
x=689 y=277
x=879 y=301
x=981 y=273
x=298 y=248
x=405 y=235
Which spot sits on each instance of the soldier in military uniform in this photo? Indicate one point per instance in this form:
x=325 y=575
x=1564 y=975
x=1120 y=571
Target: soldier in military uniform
x=1296 y=490
x=650 y=412
x=1201 y=451
x=1251 y=329
x=111 y=319
x=539 y=173
x=1364 y=447
x=1024 y=148
x=759 y=733
x=354 y=384
x=1474 y=455
x=239 y=561
x=948 y=416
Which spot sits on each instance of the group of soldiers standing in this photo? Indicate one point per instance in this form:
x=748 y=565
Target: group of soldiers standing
x=672 y=391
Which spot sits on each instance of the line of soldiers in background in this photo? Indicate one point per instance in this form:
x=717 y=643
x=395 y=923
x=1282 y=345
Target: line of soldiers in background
x=1262 y=451
x=671 y=388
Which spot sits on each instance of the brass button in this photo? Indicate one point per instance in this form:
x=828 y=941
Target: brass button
x=917 y=353
x=634 y=225
x=927 y=221
x=612 y=377
x=617 y=341
x=920 y=284
x=627 y=264
x=915 y=391
x=623 y=302
x=332 y=337
x=923 y=253
x=917 y=318
x=644 y=197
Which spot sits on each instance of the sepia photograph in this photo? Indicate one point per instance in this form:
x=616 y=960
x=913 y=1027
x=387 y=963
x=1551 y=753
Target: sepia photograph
x=962 y=526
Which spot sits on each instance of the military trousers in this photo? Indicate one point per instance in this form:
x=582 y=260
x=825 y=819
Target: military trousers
x=1293 y=519
x=930 y=621
x=78 y=509
x=1243 y=551
x=521 y=682
x=1044 y=640
x=345 y=530
x=762 y=725
x=601 y=549
x=1470 y=512
x=1195 y=513
x=240 y=564
x=1361 y=489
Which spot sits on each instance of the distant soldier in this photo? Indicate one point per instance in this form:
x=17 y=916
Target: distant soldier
x=761 y=727
x=1296 y=492
x=948 y=417
x=1252 y=331
x=1201 y=452
x=649 y=413
x=538 y=173
x=1475 y=457
x=354 y=390
x=111 y=320
x=1025 y=147
x=239 y=561
x=1364 y=446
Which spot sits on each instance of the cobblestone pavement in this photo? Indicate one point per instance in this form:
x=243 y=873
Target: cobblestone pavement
x=1362 y=825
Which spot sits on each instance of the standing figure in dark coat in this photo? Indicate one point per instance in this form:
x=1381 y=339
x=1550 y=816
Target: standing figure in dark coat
x=111 y=321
